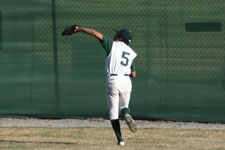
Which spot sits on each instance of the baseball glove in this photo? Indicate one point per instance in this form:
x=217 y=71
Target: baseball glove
x=69 y=30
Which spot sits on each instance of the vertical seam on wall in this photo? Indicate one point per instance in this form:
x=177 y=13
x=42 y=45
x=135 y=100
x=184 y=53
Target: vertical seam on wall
x=0 y=30
x=55 y=52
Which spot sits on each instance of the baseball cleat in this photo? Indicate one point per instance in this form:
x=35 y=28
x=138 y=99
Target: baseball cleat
x=130 y=122
x=121 y=143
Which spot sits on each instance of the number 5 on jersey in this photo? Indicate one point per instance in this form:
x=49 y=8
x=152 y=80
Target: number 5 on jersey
x=125 y=58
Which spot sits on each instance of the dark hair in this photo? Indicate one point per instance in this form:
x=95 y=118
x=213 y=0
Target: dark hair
x=123 y=39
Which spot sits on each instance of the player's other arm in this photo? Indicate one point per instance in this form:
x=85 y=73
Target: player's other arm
x=133 y=71
x=90 y=32
x=133 y=74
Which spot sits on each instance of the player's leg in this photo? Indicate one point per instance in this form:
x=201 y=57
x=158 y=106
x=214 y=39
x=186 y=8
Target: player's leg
x=124 y=107
x=116 y=127
x=113 y=106
x=125 y=90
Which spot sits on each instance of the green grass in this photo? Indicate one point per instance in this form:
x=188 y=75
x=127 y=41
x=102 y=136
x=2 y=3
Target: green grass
x=104 y=139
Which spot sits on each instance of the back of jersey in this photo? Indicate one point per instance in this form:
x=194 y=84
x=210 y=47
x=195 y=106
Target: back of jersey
x=119 y=61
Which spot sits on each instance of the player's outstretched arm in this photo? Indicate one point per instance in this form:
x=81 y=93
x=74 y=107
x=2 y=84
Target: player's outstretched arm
x=90 y=32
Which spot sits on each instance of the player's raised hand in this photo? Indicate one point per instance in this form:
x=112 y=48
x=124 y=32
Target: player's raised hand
x=76 y=29
x=70 y=30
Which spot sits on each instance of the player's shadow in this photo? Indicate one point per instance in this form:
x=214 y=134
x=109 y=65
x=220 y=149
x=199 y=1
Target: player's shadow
x=41 y=142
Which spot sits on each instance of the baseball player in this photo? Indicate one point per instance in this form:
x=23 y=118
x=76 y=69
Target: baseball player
x=119 y=69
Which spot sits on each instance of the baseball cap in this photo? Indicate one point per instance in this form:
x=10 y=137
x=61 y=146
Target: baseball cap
x=126 y=34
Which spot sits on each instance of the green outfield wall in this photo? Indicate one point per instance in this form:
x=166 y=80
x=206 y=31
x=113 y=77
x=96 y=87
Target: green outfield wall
x=180 y=64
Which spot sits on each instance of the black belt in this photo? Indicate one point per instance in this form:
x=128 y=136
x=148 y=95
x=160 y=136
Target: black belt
x=116 y=74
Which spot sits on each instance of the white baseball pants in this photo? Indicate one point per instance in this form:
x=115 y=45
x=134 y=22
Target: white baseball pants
x=118 y=97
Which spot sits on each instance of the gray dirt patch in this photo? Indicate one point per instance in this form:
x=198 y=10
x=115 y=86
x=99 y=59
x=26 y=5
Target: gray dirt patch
x=102 y=123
